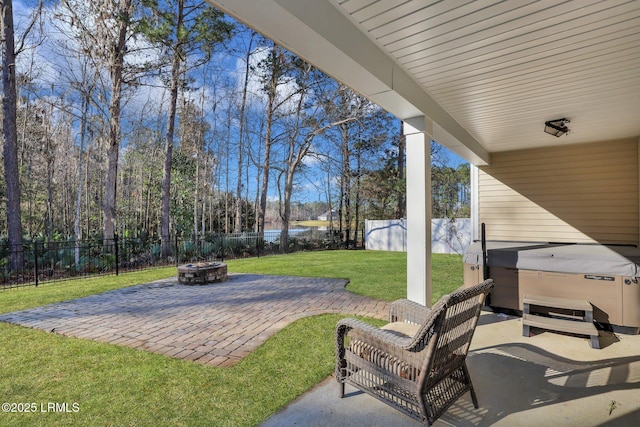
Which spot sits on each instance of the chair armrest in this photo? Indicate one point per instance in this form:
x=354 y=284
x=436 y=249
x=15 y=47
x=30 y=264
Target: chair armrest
x=362 y=331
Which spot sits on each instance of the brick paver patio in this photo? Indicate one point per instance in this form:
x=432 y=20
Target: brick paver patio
x=215 y=324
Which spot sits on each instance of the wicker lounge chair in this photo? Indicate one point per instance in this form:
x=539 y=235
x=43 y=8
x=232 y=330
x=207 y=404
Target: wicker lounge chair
x=416 y=363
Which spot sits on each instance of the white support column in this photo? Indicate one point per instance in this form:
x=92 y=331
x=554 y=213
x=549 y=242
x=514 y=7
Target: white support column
x=418 y=131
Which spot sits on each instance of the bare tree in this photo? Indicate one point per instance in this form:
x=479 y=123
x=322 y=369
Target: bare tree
x=271 y=86
x=181 y=27
x=345 y=186
x=311 y=118
x=85 y=89
x=351 y=139
x=114 y=29
x=10 y=132
x=273 y=69
x=241 y=135
x=104 y=29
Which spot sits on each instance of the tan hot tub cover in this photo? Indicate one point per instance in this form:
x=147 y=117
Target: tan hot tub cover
x=558 y=257
x=604 y=275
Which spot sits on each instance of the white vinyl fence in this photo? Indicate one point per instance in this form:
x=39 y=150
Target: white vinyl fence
x=447 y=236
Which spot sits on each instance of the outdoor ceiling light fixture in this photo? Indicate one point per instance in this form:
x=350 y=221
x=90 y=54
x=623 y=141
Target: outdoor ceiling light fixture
x=556 y=127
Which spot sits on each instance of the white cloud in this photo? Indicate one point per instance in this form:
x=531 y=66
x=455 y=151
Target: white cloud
x=286 y=92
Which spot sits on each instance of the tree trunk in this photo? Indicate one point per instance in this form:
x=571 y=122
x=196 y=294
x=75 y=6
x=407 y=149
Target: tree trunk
x=294 y=158
x=293 y=162
x=168 y=146
x=9 y=109
x=50 y=155
x=83 y=135
x=285 y=214
x=238 y=225
x=271 y=95
x=256 y=202
x=196 y=200
x=357 y=195
x=262 y=208
x=346 y=177
x=116 y=69
x=87 y=200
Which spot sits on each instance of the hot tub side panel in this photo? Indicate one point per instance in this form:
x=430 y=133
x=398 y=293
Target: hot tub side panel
x=613 y=301
x=603 y=292
x=505 y=293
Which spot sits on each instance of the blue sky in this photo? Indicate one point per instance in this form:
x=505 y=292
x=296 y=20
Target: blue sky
x=48 y=63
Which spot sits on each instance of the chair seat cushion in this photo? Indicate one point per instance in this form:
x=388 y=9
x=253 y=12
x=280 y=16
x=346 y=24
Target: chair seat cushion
x=404 y=329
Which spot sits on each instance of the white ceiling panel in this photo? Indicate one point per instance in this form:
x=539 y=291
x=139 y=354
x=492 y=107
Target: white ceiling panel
x=489 y=73
x=502 y=68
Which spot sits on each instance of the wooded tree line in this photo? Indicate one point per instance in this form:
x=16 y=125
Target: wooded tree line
x=162 y=117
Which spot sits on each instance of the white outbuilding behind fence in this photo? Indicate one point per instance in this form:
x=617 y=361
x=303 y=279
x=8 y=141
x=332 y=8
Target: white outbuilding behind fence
x=447 y=236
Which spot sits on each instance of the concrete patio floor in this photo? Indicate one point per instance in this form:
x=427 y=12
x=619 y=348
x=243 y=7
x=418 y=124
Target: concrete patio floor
x=547 y=379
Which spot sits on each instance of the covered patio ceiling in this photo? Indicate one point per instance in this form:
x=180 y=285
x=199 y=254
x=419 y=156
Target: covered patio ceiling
x=487 y=73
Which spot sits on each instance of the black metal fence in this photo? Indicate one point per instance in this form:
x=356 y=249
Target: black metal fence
x=40 y=260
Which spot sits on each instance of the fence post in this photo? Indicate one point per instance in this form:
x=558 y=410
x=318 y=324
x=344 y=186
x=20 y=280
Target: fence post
x=35 y=258
x=115 y=241
x=224 y=247
x=177 y=252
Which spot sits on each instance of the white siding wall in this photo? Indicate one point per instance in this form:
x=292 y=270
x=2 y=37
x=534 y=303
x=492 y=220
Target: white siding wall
x=572 y=193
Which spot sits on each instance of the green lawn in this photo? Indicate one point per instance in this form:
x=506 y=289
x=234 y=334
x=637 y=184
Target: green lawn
x=114 y=385
x=381 y=275
x=50 y=292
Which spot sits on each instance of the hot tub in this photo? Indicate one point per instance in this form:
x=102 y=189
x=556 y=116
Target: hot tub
x=605 y=275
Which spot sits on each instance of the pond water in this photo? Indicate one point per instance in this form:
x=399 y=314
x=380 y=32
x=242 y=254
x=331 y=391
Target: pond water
x=273 y=235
